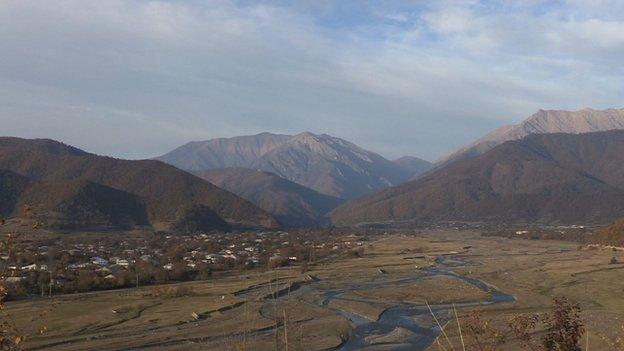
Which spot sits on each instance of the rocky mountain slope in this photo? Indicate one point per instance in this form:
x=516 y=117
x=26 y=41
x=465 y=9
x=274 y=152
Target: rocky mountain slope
x=166 y=194
x=542 y=122
x=329 y=165
x=548 y=178
x=242 y=151
x=291 y=203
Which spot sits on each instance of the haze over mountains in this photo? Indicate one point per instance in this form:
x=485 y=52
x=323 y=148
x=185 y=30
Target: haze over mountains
x=548 y=178
x=66 y=184
x=542 y=122
x=326 y=164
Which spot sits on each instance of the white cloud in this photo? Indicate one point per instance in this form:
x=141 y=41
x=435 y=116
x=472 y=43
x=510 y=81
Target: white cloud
x=136 y=78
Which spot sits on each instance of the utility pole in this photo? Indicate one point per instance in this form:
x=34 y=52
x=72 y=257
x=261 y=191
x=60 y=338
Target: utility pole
x=50 y=285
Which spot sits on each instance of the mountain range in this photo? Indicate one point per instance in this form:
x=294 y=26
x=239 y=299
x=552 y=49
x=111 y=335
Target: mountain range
x=326 y=164
x=547 y=178
x=62 y=184
x=555 y=167
x=542 y=122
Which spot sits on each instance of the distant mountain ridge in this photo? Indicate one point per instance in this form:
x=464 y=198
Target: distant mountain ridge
x=546 y=178
x=160 y=193
x=292 y=204
x=329 y=165
x=542 y=122
x=241 y=151
x=416 y=166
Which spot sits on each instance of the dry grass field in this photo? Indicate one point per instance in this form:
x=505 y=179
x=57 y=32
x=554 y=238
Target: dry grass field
x=335 y=299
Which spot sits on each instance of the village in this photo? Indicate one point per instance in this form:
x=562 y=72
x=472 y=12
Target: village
x=61 y=264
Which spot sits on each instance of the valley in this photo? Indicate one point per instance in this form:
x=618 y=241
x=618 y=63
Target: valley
x=374 y=300
x=311 y=175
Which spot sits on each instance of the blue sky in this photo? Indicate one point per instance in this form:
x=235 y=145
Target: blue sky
x=138 y=78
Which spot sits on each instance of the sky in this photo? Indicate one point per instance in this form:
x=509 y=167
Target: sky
x=135 y=79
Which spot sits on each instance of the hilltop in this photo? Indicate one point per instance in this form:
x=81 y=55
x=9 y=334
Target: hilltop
x=326 y=164
x=147 y=189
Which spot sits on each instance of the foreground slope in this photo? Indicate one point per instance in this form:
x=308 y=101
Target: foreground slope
x=292 y=204
x=543 y=122
x=327 y=164
x=168 y=194
x=550 y=178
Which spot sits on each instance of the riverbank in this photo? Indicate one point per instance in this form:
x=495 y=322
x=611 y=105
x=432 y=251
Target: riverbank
x=347 y=303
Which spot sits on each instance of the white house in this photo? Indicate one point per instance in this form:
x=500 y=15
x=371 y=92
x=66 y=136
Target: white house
x=99 y=261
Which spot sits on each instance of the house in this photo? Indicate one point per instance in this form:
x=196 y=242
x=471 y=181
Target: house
x=99 y=261
x=168 y=266
x=78 y=265
x=214 y=258
x=30 y=267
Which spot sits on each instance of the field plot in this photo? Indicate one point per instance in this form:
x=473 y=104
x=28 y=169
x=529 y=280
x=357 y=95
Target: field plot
x=378 y=301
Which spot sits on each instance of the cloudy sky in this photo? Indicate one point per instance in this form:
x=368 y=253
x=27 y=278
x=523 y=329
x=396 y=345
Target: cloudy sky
x=138 y=78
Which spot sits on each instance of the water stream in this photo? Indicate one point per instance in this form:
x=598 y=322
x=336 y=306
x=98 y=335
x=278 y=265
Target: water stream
x=401 y=327
x=414 y=318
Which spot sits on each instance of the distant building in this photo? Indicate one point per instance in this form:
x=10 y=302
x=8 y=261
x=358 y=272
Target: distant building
x=99 y=261
x=214 y=258
x=30 y=267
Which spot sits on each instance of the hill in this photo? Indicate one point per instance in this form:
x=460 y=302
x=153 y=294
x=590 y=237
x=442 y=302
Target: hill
x=413 y=165
x=543 y=122
x=329 y=165
x=292 y=204
x=12 y=185
x=79 y=204
x=166 y=192
x=547 y=178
